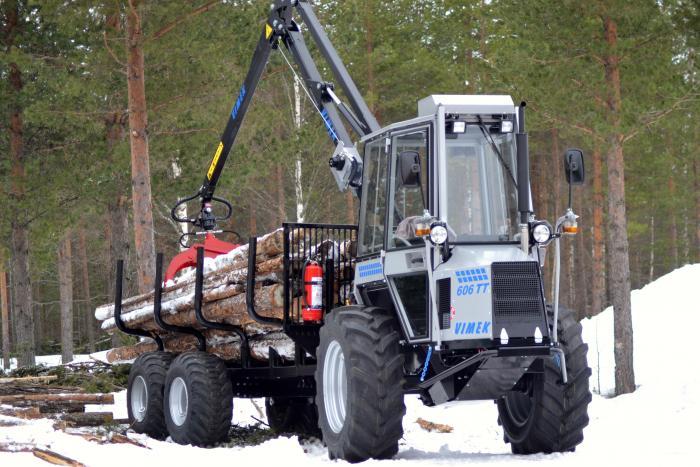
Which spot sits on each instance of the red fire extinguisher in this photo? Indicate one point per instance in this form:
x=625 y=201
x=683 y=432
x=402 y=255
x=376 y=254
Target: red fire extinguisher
x=313 y=292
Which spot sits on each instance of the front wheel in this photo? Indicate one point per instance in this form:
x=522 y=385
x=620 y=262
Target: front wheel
x=545 y=415
x=359 y=384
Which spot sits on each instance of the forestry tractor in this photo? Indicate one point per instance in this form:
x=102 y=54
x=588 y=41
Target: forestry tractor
x=438 y=291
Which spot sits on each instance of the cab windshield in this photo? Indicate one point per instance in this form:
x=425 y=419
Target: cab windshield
x=481 y=190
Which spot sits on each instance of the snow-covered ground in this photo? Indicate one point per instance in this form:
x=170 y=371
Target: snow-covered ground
x=655 y=425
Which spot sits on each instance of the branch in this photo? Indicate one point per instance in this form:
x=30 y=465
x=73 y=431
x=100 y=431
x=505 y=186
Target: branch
x=170 y=26
x=111 y=52
x=584 y=129
x=182 y=132
x=654 y=117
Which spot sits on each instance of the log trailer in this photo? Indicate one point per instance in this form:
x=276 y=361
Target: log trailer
x=442 y=295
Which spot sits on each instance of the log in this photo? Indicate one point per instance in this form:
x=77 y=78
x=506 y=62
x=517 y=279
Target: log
x=58 y=398
x=84 y=419
x=27 y=380
x=25 y=413
x=55 y=458
x=45 y=407
x=219 y=343
x=233 y=310
x=232 y=267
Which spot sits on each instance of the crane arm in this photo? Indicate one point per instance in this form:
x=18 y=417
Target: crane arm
x=281 y=29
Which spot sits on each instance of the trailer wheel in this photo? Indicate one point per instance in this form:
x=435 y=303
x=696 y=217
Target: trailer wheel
x=198 y=399
x=359 y=384
x=297 y=415
x=144 y=393
x=548 y=416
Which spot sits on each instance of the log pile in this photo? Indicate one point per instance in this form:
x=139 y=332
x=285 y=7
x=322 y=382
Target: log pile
x=223 y=300
x=21 y=398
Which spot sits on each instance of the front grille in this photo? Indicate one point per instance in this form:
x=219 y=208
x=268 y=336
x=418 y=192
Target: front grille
x=443 y=299
x=517 y=293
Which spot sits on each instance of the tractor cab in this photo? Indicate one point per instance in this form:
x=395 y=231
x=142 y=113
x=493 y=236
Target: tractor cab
x=439 y=232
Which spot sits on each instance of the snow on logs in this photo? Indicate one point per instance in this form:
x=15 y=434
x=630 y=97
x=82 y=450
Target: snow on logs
x=223 y=300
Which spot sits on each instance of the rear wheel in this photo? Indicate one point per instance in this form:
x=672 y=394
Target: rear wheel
x=144 y=394
x=546 y=415
x=359 y=384
x=198 y=399
x=292 y=415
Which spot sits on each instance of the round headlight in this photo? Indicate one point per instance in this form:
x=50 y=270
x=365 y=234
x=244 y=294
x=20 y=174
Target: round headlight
x=541 y=233
x=438 y=234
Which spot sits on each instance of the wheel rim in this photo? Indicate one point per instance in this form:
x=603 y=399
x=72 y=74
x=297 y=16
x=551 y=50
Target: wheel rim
x=139 y=399
x=335 y=386
x=519 y=406
x=178 y=401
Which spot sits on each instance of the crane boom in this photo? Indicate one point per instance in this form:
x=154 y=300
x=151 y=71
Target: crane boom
x=281 y=29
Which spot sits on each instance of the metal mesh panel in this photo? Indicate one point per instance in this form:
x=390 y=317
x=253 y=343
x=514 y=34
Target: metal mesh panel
x=517 y=292
x=334 y=247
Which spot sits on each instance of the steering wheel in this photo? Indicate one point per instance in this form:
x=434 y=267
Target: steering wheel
x=403 y=240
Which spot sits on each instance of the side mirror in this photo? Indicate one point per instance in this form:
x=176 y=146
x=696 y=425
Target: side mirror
x=409 y=168
x=573 y=166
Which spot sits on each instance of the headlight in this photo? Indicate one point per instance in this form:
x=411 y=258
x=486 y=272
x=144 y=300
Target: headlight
x=541 y=233
x=438 y=234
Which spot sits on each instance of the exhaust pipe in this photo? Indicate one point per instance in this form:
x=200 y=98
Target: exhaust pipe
x=523 y=157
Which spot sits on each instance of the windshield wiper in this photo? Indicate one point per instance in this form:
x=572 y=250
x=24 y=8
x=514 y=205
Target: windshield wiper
x=488 y=136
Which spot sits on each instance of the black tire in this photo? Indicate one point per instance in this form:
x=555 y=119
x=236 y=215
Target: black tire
x=374 y=407
x=293 y=415
x=149 y=370
x=549 y=416
x=206 y=415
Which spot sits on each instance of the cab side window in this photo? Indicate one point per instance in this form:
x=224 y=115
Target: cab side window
x=408 y=201
x=374 y=187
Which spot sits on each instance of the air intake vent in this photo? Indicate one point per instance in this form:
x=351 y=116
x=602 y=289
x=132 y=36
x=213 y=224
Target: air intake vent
x=518 y=303
x=443 y=299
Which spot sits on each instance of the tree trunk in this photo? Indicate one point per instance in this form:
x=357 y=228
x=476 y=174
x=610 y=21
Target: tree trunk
x=619 y=277
x=5 y=316
x=298 y=173
x=652 y=246
x=65 y=289
x=598 y=273
x=119 y=244
x=140 y=168
x=281 y=202
x=25 y=343
x=252 y=219
x=696 y=185
x=88 y=318
x=673 y=224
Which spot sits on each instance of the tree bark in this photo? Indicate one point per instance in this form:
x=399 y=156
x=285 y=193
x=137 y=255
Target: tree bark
x=673 y=224
x=65 y=288
x=140 y=167
x=25 y=343
x=696 y=184
x=598 y=274
x=619 y=277
x=118 y=222
x=88 y=317
x=5 y=315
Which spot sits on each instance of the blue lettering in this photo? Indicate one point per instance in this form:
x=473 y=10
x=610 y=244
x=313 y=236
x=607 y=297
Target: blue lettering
x=478 y=328
x=485 y=329
x=470 y=327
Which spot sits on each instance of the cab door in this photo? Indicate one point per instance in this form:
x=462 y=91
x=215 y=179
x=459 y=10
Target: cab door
x=405 y=264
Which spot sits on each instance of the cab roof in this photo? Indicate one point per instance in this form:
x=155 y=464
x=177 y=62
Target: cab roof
x=466 y=104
